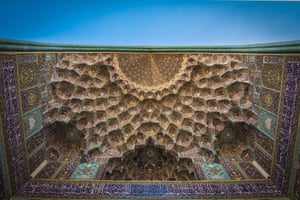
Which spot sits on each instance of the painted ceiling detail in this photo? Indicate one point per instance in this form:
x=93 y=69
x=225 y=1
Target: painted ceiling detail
x=167 y=125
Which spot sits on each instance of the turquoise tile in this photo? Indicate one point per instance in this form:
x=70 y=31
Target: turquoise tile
x=85 y=171
x=267 y=123
x=33 y=122
x=214 y=171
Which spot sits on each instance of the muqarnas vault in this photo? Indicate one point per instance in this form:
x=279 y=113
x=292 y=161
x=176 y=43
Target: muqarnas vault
x=169 y=124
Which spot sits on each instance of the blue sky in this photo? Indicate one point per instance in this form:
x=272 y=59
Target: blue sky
x=150 y=22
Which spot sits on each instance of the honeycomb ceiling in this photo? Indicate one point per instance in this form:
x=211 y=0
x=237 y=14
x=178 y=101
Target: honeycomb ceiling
x=206 y=119
x=181 y=102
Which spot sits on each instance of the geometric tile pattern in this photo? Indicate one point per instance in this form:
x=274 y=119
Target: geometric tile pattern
x=254 y=61
x=86 y=171
x=199 y=172
x=28 y=75
x=288 y=125
x=147 y=76
x=67 y=170
x=30 y=98
x=250 y=170
x=48 y=170
x=13 y=139
x=271 y=76
x=45 y=62
x=214 y=171
x=267 y=123
x=35 y=160
x=233 y=171
x=265 y=142
x=264 y=161
x=100 y=172
x=254 y=65
x=1 y=185
x=2 y=162
x=35 y=141
x=33 y=122
x=297 y=185
x=273 y=59
x=26 y=58
x=269 y=100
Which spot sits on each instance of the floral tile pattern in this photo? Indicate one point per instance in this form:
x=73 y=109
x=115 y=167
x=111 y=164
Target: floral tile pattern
x=214 y=171
x=33 y=122
x=269 y=100
x=28 y=75
x=267 y=123
x=86 y=171
x=271 y=76
x=30 y=99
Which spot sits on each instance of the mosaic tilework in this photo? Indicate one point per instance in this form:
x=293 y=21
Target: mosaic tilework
x=30 y=99
x=48 y=171
x=151 y=73
x=264 y=161
x=28 y=75
x=85 y=171
x=199 y=172
x=233 y=171
x=265 y=142
x=179 y=198
x=65 y=140
x=162 y=190
x=33 y=122
x=252 y=74
x=26 y=58
x=286 y=136
x=297 y=180
x=67 y=170
x=247 y=155
x=69 y=190
x=100 y=172
x=266 y=123
x=4 y=190
x=151 y=190
x=297 y=185
x=35 y=141
x=271 y=76
x=13 y=137
x=273 y=59
x=269 y=100
x=214 y=171
x=46 y=62
x=254 y=69
x=35 y=160
x=52 y=154
x=231 y=158
x=251 y=59
x=254 y=61
x=250 y=170
x=155 y=192
x=1 y=183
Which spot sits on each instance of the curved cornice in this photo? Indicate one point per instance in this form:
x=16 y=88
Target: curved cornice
x=278 y=47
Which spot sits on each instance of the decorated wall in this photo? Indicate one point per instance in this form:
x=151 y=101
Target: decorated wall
x=188 y=124
x=1 y=186
x=297 y=185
